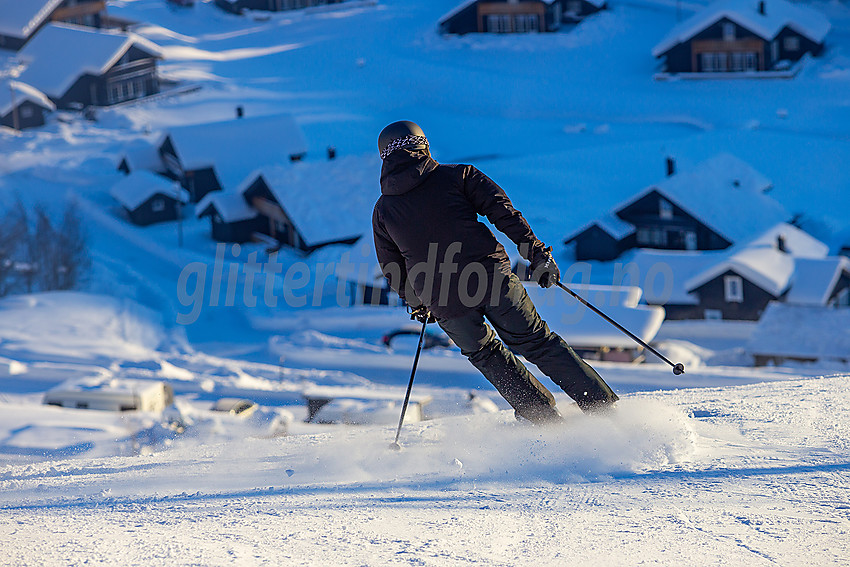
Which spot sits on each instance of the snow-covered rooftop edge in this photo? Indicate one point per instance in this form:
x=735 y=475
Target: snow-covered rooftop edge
x=778 y=14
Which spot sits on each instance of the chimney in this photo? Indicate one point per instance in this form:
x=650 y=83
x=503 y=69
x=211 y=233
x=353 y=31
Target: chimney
x=331 y=153
x=762 y=11
x=780 y=243
x=240 y=112
x=671 y=166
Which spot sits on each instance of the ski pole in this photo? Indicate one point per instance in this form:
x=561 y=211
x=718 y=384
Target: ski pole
x=395 y=446
x=678 y=368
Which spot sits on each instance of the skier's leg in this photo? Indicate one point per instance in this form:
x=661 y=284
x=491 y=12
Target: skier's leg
x=519 y=325
x=477 y=341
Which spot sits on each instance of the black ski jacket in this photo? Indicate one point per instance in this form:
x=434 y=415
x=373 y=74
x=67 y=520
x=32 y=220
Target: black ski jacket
x=430 y=244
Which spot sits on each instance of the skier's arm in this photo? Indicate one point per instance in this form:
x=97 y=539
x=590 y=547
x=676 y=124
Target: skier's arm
x=389 y=257
x=491 y=201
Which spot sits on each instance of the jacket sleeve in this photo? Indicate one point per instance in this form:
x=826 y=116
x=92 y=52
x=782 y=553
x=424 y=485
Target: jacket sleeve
x=491 y=201
x=389 y=257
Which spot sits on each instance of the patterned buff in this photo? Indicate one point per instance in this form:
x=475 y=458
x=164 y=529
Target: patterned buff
x=409 y=140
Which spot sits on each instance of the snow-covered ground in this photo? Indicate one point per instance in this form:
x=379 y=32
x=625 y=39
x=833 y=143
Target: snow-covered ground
x=745 y=475
x=727 y=464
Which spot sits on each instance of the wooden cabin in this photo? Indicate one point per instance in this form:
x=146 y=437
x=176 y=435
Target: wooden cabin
x=743 y=36
x=292 y=220
x=219 y=155
x=111 y=395
x=710 y=207
x=239 y=6
x=22 y=107
x=78 y=67
x=149 y=198
x=503 y=16
x=801 y=333
x=312 y=205
x=231 y=218
x=20 y=20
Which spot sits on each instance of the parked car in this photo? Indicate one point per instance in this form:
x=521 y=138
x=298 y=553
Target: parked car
x=236 y=406
x=432 y=338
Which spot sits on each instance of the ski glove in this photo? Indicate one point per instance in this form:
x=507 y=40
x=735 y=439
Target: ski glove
x=422 y=315
x=544 y=270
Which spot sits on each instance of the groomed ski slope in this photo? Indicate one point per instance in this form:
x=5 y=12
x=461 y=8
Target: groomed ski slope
x=749 y=475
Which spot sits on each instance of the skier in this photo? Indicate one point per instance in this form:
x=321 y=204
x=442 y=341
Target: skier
x=450 y=269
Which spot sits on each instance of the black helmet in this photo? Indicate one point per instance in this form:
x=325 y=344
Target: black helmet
x=403 y=134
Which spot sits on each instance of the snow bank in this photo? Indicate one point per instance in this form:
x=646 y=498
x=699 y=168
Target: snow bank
x=79 y=325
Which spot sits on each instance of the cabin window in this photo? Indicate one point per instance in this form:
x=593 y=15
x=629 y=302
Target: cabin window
x=665 y=209
x=774 y=50
x=158 y=205
x=713 y=62
x=690 y=240
x=26 y=112
x=526 y=23
x=792 y=43
x=713 y=314
x=733 y=287
x=574 y=7
x=728 y=31
x=737 y=62
x=751 y=62
x=114 y=94
x=499 y=23
x=642 y=236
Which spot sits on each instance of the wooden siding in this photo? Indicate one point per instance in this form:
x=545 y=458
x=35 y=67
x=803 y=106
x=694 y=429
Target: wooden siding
x=145 y=214
x=271 y=5
x=596 y=244
x=137 y=66
x=84 y=13
x=477 y=17
x=199 y=182
x=685 y=57
x=30 y=115
x=644 y=215
x=237 y=232
x=712 y=296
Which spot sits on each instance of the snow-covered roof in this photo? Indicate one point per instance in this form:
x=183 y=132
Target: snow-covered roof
x=237 y=147
x=725 y=193
x=798 y=243
x=230 y=207
x=328 y=200
x=766 y=267
x=778 y=14
x=59 y=54
x=612 y=224
x=19 y=18
x=141 y=154
x=815 y=278
x=802 y=331
x=761 y=262
x=22 y=92
x=579 y=326
x=139 y=186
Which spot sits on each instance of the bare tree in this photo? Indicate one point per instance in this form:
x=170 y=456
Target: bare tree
x=38 y=255
x=72 y=251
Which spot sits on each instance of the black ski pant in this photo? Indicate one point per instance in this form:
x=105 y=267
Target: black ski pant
x=517 y=323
